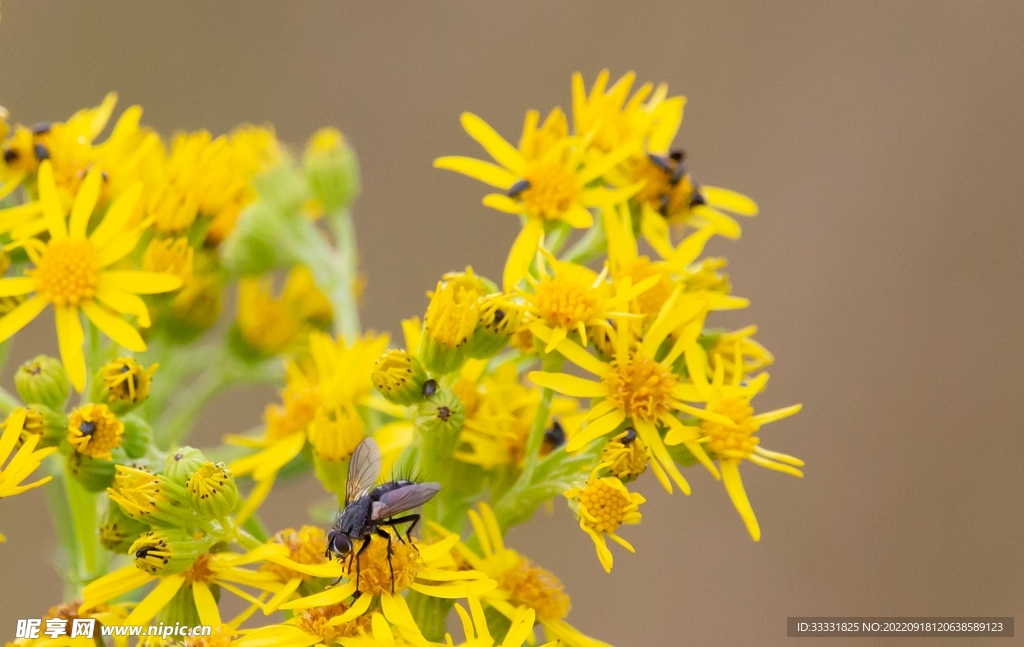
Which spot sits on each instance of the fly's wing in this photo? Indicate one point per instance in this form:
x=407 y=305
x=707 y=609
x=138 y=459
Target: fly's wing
x=363 y=470
x=402 y=499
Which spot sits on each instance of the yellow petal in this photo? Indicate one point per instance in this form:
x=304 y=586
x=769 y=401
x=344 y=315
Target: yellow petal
x=778 y=414
x=570 y=385
x=486 y=172
x=397 y=611
x=734 y=486
x=772 y=465
x=453 y=591
x=209 y=614
x=326 y=598
x=50 y=199
x=595 y=430
x=521 y=628
x=729 y=200
x=117 y=217
x=522 y=253
x=13 y=427
x=578 y=216
x=114 y=327
x=648 y=433
x=113 y=584
x=689 y=249
x=572 y=351
x=85 y=202
x=358 y=608
x=495 y=145
x=723 y=224
x=767 y=453
x=124 y=303
x=156 y=600
x=121 y=246
x=655 y=230
x=139 y=282
x=16 y=286
x=69 y=339
x=503 y=203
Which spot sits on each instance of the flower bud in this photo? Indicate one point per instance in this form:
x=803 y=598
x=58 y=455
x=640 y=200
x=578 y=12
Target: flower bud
x=334 y=435
x=180 y=464
x=441 y=415
x=43 y=381
x=625 y=456
x=151 y=498
x=212 y=491
x=118 y=531
x=167 y=551
x=271 y=232
x=137 y=436
x=94 y=430
x=49 y=426
x=332 y=169
x=499 y=320
x=450 y=320
x=399 y=377
x=123 y=384
x=95 y=474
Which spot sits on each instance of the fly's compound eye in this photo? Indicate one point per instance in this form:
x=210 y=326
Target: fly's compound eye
x=340 y=543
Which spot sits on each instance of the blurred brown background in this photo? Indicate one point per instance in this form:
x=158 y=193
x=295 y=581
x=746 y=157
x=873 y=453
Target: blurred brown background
x=883 y=142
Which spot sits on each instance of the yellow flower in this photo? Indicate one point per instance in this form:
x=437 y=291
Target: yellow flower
x=602 y=505
x=129 y=155
x=731 y=444
x=208 y=573
x=211 y=177
x=634 y=385
x=573 y=298
x=25 y=461
x=94 y=430
x=70 y=274
x=610 y=121
x=522 y=585
x=546 y=179
x=275 y=325
x=428 y=569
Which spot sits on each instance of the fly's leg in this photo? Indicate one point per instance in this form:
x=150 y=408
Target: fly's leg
x=414 y=518
x=387 y=535
x=362 y=549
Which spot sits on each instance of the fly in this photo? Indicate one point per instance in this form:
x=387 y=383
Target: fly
x=368 y=509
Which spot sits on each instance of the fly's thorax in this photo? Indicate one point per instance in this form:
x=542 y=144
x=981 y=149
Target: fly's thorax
x=355 y=517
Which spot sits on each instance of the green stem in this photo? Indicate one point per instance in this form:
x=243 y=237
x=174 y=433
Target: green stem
x=84 y=518
x=60 y=512
x=346 y=312
x=588 y=247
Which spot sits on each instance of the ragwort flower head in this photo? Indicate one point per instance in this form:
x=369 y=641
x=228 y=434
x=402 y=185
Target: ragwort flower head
x=547 y=179
x=71 y=273
x=731 y=437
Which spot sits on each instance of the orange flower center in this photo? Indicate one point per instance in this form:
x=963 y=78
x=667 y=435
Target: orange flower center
x=566 y=301
x=200 y=571
x=375 y=573
x=605 y=506
x=552 y=190
x=736 y=442
x=640 y=387
x=68 y=272
x=537 y=588
x=317 y=622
